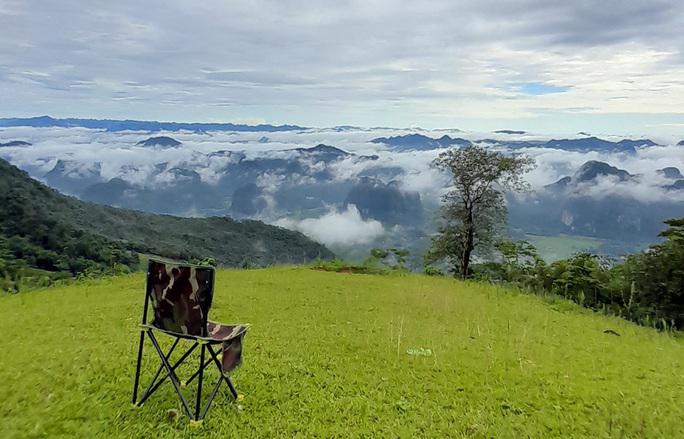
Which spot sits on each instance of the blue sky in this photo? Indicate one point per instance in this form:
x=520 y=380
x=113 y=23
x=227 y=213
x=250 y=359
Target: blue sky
x=538 y=88
x=553 y=66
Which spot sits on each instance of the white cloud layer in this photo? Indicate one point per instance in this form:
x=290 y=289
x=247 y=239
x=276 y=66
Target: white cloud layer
x=120 y=157
x=343 y=228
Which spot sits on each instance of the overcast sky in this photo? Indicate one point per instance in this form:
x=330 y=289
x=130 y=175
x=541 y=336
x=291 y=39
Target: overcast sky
x=609 y=66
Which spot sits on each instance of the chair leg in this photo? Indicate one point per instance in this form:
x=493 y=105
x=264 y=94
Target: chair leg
x=196 y=374
x=137 y=367
x=149 y=393
x=223 y=376
x=199 y=383
x=232 y=388
x=211 y=398
x=172 y=374
x=154 y=384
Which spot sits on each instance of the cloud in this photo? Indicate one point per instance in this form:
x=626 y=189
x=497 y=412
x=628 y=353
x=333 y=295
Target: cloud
x=343 y=228
x=120 y=157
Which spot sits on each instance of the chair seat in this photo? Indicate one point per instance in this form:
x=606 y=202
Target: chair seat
x=230 y=337
x=222 y=332
x=216 y=332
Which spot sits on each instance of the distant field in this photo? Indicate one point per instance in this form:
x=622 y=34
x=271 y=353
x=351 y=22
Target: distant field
x=553 y=248
x=338 y=355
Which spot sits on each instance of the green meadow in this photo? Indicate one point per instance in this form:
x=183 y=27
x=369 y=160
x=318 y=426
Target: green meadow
x=554 y=248
x=344 y=355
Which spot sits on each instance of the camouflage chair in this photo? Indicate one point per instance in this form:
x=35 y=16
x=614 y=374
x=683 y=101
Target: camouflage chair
x=181 y=297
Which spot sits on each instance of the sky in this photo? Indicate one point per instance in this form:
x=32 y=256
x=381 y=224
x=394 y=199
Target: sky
x=610 y=66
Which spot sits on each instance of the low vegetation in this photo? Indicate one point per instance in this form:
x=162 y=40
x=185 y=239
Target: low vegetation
x=379 y=261
x=337 y=355
x=647 y=287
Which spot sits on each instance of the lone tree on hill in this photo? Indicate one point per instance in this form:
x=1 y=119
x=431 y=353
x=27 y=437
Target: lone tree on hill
x=473 y=211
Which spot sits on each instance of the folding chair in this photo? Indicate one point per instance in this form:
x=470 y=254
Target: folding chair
x=181 y=297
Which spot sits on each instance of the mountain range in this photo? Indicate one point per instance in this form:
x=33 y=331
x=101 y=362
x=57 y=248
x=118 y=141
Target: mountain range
x=420 y=142
x=577 y=205
x=584 y=144
x=140 y=125
x=278 y=182
x=15 y=143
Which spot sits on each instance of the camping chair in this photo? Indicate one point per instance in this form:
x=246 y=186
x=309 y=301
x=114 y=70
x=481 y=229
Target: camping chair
x=181 y=297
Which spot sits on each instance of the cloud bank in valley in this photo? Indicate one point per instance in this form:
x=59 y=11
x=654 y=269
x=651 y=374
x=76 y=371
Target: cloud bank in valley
x=121 y=157
x=337 y=228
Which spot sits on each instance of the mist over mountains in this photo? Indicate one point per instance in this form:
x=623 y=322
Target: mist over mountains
x=352 y=188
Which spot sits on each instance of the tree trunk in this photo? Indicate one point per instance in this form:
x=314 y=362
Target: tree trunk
x=469 y=239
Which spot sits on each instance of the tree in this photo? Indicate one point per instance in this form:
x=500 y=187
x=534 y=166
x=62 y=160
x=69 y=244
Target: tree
x=656 y=279
x=474 y=210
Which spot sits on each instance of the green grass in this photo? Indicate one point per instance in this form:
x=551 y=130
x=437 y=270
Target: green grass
x=554 y=248
x=327 y=357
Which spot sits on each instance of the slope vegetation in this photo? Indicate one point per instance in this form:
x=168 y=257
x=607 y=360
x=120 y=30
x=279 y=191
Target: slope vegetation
x=54 y=232
x=337 y=355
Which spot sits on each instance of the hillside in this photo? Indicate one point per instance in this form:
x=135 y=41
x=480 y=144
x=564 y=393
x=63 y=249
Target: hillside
x=60 y=233
x=336 y=355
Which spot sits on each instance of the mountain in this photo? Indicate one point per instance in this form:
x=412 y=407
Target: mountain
x=596 y=144
x=248 y=200
x=584 y=144
x=681 y=143
x=207 y=184
x=15 y=143
x=163 y=141
x=410 y=142
x=675 y=176
x=109 y=193
x=55 y=232
x=587 y=173
x=140 y=125
x=71 y=176
x=573 y=206
x=385 y=202
x=678 y=185
x=594 y=168
x=670 y=172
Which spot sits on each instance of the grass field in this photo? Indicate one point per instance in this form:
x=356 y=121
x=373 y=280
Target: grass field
x=553 y=248
x=339 y=355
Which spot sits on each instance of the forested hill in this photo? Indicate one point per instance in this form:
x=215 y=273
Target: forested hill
x=54 y=232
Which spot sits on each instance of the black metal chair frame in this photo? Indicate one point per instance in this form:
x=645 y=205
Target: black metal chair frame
x=205 y=345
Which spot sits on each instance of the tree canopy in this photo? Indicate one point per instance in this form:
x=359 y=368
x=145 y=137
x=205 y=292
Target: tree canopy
x=473 y=210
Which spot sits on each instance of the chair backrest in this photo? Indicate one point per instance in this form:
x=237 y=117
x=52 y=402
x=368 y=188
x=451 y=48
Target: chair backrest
x=181 y=296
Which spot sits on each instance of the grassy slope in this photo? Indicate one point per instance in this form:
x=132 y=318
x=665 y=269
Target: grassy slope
x=327 y=356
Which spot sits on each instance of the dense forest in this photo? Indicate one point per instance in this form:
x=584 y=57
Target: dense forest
x=45 y=235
